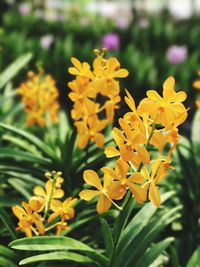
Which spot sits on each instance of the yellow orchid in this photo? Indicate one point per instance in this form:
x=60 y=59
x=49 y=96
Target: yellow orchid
x=166 y=109
x=128 y=144
x=102 y=191
x=81 y=69
x=39 y=96
x=122 y=182
x=36 y=216
x=90 y=131
x=27 y=218
x=110 y=106
x=49 y=196
x=158 y=172
x=64 y=209
x=88 y=87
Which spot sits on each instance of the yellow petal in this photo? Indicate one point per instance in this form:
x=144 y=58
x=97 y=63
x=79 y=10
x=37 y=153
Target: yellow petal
x=111 y=151
x=123 y=167
x=154 y=195
x=130 y=101
x=121 y=73
x=87 y=194
x=181 y=96
x=136 y=177
x=103 y=204
x=76 y=63
x=39 y=191
x=92 y=178
x=137 y=192
x=169 y=83
x=196 y=84
x=153 y=95
x=59 y=193
x=98 y=138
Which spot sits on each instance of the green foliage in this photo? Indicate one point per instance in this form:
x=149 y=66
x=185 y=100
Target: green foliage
x=136 y=242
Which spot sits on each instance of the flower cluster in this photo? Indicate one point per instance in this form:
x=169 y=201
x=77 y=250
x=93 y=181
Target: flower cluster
x=86 y=88
x=196 y=85
x=144 y=144
x=45 y=211
x=40 y=98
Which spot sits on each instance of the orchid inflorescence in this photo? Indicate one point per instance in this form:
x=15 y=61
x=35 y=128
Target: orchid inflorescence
x=45 y=211
x=87 y=87
x=40 y=98
x=153 y=124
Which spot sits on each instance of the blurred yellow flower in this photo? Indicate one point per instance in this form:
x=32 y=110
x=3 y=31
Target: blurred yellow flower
x=40 y=97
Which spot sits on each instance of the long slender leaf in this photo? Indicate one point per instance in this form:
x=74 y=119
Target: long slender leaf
x=195 y=259
x=8 y=223
x=12 y=70
x=61 y=256
x=151 y=255
x=107 y=235
x=31 y=138
x=57 y=243
x=6 y=262
x=10 y=153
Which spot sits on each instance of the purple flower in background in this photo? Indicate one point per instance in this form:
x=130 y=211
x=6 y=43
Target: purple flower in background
x=46 y=41
x=177 y=54
x=111 y=41
x=24 y=9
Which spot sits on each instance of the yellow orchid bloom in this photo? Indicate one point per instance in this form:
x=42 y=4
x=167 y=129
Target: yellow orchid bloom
x=102 y=191
x=165 y=109
x=27 y=217
x=90 y=131
x=128 y=144
x=39 y=96
x=80 y=69
x=121 y=182
x=64 y=209
x=49 y=196
x=158 y=172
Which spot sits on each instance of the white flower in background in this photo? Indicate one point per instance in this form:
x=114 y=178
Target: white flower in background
x=46 y=41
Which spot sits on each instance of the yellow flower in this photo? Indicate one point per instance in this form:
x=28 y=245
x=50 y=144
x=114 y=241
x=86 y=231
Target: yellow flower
x=39 y=96
x=128 y=144
x=27 y=217
x=64 y=209
x=158 y=172
x=90 y=131
x=49 y=196
x=104 y=201
x=166 y=109
x=198 y=103
x=118 y=188
x=196 y=84
x=81 y=69
x=110 y=106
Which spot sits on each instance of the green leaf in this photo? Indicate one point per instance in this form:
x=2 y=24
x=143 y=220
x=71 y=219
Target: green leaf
x=195 y=259
x=8 y=223
x=13 y=69
x=122 y=219
x=138 y=223
x=31 y=138
x=61 y=256
x=6 y=262
x=57 y=243
x=151 y=255
x=107 y=235
x=7 y=253
x=21 y=155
